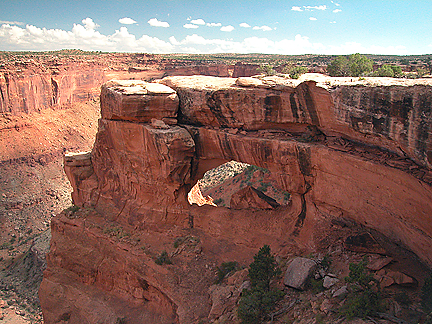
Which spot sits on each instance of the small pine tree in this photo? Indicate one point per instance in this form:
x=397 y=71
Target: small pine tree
x=256 y=304
x=263 y=268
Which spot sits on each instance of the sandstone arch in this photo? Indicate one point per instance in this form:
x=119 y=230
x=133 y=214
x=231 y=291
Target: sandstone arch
x=338 y=159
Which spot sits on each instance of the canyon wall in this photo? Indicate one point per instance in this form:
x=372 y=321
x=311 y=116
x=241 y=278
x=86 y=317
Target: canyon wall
x=343 y=150
x=33 y=85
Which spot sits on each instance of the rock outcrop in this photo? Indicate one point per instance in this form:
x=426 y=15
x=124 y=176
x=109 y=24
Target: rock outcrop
x=31 y=83
x=338 y=151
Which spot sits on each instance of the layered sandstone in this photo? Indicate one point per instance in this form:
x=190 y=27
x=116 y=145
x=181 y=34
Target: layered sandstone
x=137 y=177
x=31 y=83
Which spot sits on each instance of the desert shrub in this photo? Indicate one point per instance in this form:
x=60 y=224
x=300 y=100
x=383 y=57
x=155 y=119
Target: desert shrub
x=266 y=69
x=225 y=269
x=421 y=72
x=257 y=303
x=384 y=71
x=364 y=300
x=163 y=258
x=116 y=231
x=315 y=285
x=357 y=274
x=361 y=304
x=326 y=262
x=264 y=186
x=354 y=65
x=294 y=71
x=218 y=201
x=426 y=295
x=402 y=298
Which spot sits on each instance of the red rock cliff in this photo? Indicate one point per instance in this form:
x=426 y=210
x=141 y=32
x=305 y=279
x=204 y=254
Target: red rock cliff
x=150 y=151
x=35 y=83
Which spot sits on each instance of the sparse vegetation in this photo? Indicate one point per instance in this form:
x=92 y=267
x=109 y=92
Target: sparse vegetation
x=354 y=65
x=426 y=297
x=116 y=231
x=294 y=71
x=257 y=303
x=226 y=269
x=364 y=299
x=163 y=258
x=266 y=69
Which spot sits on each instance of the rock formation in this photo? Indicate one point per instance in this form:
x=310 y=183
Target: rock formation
x=343 y=150
x=36 y=82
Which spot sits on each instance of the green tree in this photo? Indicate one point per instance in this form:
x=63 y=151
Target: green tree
x=263 y=268
x=355 y=65
x=385 y=71
x=397 y=71
x=338 y=67
x=257 y=303
x=359 y=65
x=294 y=71
x=266 y=69
x=364 y=299
x=421 y=72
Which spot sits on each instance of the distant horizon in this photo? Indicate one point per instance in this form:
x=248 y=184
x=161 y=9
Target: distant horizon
x=208 y=54
x=274 y=27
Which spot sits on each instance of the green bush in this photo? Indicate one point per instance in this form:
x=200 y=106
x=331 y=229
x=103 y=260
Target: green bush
x=163 y=258
x=426 y=295
x=357 y=274
x=361 y=304
x=355 y=65
x=364 y=299
x=256 y=304
x=294 y=71
x=266 y=69
x=225 y=269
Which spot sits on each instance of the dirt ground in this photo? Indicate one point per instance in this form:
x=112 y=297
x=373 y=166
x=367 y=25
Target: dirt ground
x=33 y=188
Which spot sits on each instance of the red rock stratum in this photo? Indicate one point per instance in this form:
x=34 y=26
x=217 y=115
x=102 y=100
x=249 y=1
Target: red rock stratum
x=344 y=150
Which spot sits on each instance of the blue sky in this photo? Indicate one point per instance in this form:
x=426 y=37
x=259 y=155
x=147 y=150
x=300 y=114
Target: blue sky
x=178 y=26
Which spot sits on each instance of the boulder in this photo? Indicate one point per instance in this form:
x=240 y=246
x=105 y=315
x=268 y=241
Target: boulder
x=136 y=100
x=341 y=292
x=298 y=272
x=329 y=281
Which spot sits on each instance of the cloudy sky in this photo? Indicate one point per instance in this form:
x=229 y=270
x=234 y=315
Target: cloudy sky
x=219 y=26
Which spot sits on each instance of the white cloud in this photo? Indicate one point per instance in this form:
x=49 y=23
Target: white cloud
x=332 y=22
x=263 y=28
x=337 y=10
x=312 y=18
x=198 y=21
x=244 y=25
x=228 y=28
x=322 y=7
x=85 y=36
x=174 y=41
x=127 y=21
x=336 y=4
x=296 y=8
x=11 y=22
x=154 y=22
x=89 y=23
x=214 y=24
x=190 y=26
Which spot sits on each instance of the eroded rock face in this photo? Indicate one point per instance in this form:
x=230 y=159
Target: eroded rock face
x=138 y=175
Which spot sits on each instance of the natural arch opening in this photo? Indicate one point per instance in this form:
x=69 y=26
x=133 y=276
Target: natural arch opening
x=238 y=185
